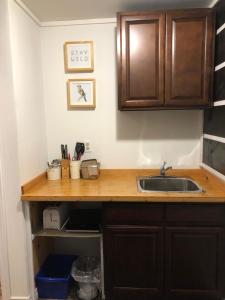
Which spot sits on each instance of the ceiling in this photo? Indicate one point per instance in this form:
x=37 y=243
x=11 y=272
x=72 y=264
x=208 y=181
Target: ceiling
x=62 y=10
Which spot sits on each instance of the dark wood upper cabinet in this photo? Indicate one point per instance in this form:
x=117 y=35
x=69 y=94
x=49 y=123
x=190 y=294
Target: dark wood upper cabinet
x=165 y=59
x=141 y=59
x=189 y=57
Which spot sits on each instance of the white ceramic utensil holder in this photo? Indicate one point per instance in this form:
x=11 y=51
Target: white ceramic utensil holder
x=75 y=169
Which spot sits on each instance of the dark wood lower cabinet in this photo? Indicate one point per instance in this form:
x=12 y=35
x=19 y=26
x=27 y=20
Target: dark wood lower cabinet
x=133 y=262
x=193 y=263
x=179 y=255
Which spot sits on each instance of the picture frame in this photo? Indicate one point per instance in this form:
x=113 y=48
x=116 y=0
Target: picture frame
x=79 y=56
x=81 y=94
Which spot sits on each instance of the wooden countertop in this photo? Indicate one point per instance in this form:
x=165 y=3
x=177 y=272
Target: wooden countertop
x=120 y=185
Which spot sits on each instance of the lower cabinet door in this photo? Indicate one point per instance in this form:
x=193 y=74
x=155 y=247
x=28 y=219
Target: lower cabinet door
x=194 y=267
x=133 y=263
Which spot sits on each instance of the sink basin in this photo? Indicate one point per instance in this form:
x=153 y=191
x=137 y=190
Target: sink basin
x=167 y=184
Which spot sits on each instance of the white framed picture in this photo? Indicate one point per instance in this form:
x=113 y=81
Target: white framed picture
x=81 y=93
x=79 y=56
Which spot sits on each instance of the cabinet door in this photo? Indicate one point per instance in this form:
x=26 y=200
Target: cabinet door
x=140 y=48
x=133 y=263
x=194 y=263
x=189 y=57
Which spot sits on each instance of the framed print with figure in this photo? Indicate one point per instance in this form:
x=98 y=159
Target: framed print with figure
x=81 y=93
x=79 y=56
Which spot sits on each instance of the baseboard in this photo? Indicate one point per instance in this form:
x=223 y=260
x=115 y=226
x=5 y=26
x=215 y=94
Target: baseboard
x=20 y=298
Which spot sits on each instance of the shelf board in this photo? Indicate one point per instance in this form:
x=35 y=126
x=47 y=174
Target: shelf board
x=67 y=234
x=73 y=297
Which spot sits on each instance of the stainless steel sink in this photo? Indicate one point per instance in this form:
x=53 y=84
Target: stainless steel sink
x=167 y=184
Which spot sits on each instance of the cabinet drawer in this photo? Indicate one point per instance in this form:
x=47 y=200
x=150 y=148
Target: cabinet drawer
x=204 y=213
x=132 y=214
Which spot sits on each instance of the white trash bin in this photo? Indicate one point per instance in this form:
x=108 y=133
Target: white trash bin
x=86 y=271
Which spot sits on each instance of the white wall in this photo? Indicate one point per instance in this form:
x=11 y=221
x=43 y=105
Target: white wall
x=12 y=244
x=27 y=77
x=23 y=151
x=118 y=139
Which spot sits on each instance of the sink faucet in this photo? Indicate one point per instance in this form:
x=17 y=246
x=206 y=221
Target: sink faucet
x=163 y=169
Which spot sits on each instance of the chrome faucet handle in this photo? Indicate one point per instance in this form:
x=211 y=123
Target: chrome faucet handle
x=163 y=169
x=163 y=165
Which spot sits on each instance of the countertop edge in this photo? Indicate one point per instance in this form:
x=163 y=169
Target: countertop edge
x=41 y=190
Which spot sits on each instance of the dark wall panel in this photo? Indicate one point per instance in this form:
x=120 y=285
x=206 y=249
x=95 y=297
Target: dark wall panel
x=214 y=155
x=220 y=48
x=214 y=121
x=219 y=85
x=220 y=13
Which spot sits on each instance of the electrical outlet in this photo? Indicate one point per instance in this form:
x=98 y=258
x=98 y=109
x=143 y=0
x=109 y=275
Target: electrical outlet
x=87 y=145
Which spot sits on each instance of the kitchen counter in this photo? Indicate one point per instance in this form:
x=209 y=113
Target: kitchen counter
x=120 y=185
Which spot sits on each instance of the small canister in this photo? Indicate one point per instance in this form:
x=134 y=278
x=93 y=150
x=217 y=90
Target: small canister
x=54 y=173
x=90 y=169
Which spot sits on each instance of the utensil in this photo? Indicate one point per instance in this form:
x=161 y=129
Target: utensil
x=66 y=152
x=79 y=149
x=54 y=164
x=62 y=151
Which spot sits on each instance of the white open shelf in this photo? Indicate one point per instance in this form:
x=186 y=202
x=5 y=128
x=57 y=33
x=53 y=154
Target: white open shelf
x=72 y=234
